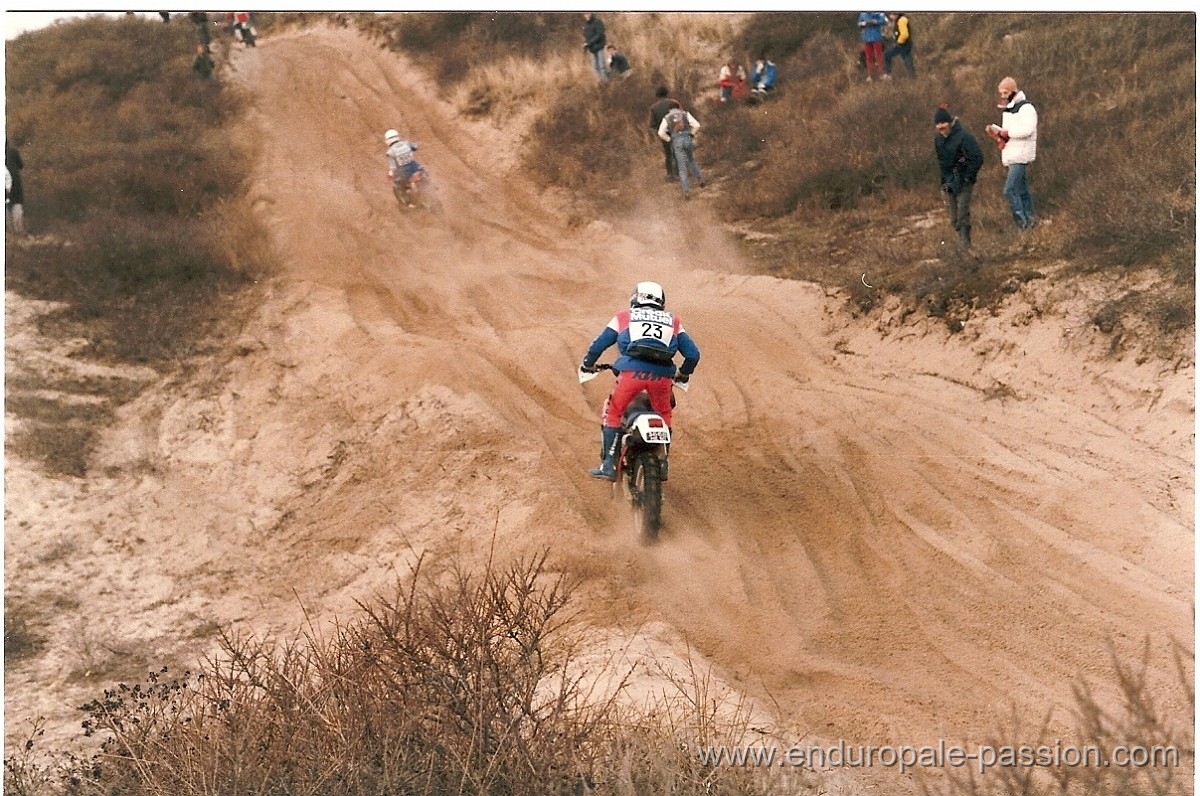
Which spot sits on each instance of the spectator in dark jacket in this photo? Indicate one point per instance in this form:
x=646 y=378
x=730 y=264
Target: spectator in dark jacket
x=658 y=110
x=618 y=64
x=200 y=20
x=593 y=42
x=14 y=190
x=959 y=160
x=203 y=63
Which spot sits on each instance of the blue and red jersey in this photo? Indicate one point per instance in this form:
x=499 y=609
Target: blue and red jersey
x=647 y=340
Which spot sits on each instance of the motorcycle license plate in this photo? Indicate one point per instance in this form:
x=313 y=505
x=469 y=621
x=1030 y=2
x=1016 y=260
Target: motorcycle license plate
x=652 y=429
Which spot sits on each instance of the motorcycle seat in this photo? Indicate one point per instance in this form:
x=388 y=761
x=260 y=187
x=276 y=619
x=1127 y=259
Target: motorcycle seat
x=640 y=405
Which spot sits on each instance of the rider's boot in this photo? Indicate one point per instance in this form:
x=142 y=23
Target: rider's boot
x=662 y=465
x=608 y=468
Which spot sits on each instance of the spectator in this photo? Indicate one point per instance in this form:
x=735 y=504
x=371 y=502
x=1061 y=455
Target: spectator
x=902 y=31
x=243 y=29
x=204 y=64
x=662 y=106
x=732 y=80
x=680 y=127
x=200 y=20
x=618 y=64
x=763 y=77
x=14 y=190
x=1017 y=137
x=959 y=160
x=870 y=24
x=166 y=15
x=594 y=42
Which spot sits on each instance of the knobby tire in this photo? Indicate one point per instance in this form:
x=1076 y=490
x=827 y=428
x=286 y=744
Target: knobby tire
x=646 y=478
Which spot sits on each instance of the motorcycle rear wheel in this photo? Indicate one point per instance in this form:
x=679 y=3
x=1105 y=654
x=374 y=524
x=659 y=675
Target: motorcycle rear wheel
x=645 y=487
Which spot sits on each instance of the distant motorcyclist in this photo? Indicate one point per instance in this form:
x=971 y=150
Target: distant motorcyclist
x=402 y=167
x=647 y=338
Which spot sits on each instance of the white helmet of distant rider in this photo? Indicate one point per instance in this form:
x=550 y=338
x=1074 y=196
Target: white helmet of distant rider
x=648 y=294
x=391 y=136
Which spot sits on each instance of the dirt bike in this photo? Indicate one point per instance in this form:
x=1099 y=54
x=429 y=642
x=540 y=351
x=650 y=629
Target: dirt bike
x=419 y=192
x=642 y=458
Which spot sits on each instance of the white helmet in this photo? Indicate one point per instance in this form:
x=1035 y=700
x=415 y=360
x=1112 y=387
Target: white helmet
x=391 y=137
x=648 y=294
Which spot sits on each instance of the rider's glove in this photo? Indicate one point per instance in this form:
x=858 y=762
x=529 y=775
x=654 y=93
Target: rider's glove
x=586 y=368
x=682 y=378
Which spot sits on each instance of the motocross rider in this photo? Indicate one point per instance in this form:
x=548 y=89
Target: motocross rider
x=647 y=338
x=401 y=166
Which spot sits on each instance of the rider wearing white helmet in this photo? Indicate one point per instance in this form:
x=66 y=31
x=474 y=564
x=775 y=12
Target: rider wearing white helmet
x=647 y=338
x=401 y=166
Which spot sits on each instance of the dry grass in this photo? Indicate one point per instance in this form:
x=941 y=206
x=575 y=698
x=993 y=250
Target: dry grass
x=132 y=182
x=457 y=683
x=1161 y=725
x=835 y=169
x=476 y=683
x=470 y=683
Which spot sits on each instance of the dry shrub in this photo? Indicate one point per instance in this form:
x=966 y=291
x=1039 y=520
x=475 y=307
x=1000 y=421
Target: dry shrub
x=1115 y=106
x=142 y=291
x=461 y=683
x=132 y=162
x=662 y=746
x=1154 y=727
x=452 y=44
x=130 y=171
x=21 y=639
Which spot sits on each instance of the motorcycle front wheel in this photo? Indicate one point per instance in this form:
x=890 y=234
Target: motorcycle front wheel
x=645 y=487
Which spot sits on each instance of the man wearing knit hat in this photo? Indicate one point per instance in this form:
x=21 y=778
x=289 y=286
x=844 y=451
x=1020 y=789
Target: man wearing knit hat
x=1017 y=134
x=959 y=160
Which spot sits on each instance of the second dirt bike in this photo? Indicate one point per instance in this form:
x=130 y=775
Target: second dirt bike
x=419 y=193
x=641 y=461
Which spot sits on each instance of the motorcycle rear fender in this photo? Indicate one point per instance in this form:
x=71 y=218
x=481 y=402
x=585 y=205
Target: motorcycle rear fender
x=651 y=429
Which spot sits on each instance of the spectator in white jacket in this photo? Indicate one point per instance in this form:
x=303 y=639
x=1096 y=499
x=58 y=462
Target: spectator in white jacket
x=1017 y=138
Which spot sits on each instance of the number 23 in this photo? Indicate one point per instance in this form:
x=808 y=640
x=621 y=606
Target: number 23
x=652 y=330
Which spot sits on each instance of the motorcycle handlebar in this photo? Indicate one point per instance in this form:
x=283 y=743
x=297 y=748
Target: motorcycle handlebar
x=599 y=367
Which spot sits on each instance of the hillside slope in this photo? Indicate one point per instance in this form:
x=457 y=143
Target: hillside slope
x=895 y=536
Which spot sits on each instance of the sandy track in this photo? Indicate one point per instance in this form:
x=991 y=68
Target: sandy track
x=863 y=527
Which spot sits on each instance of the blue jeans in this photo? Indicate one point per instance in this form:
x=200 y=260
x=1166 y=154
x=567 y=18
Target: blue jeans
x=1016 y=191
x=599 y=65
x=685 y=158
x=905 y=53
